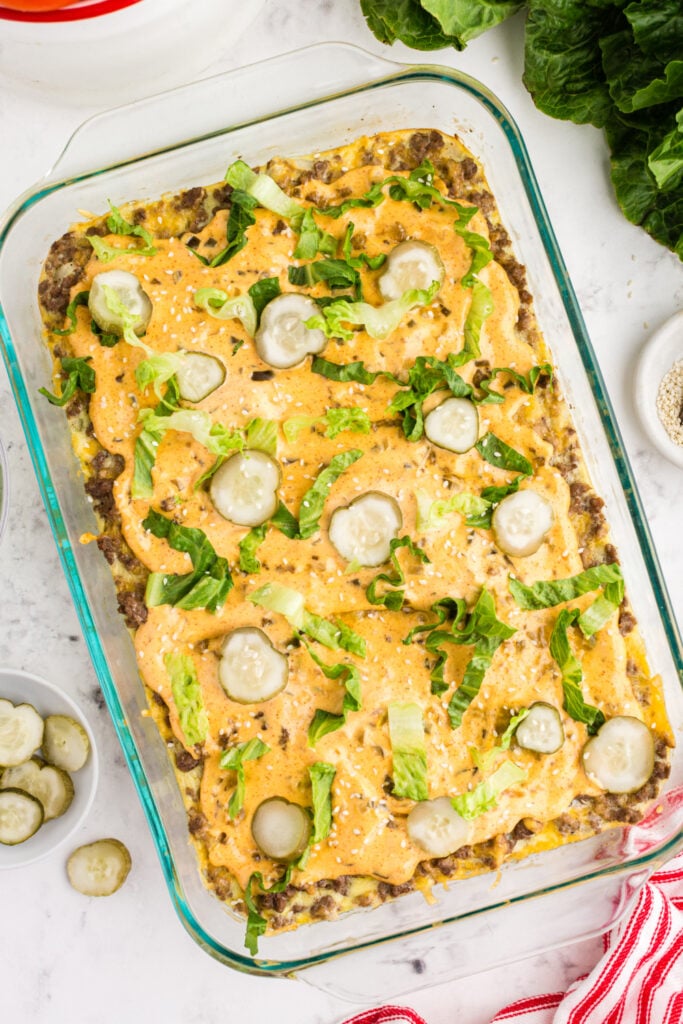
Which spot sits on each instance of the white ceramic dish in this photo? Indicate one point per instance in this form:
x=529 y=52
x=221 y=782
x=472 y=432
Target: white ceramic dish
x=47 y=699
x=121 y=53
x=664 y=348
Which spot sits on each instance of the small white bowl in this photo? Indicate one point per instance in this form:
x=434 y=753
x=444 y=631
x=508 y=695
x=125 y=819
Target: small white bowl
x=23 y=688
x=664 y=348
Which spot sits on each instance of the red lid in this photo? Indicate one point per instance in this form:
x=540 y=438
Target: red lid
x=74 y=12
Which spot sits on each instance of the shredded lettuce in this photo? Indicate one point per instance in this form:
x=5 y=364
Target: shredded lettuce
x=118 y=308
x=234 y=760
x=256 y=922
x=393 y=599
x=483 y=761
x=526 y=382
x=343 y=372
x=81 y=299
x=336 y=422
x=240 y=218
x=406 y=730
x=213 y=436
x=80 y=375
x=290 y=603
x=325 y=722
x=377 y=321
x=499 y=454
x=313 y=501
x=480 y=628
x=572 y=673
x=187 y=697
x=432 y=513
x=481 y=307
x=548 y=593
x=322 y=776
x=485 y=796
x=264 y=190
x=219 y=305
x=210 y=581
x=118 y=226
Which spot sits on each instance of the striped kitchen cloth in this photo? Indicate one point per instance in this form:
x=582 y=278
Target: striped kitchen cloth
x=639 y=979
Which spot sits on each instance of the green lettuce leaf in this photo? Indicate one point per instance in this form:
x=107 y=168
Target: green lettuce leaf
x=187 y=697
x=548 y=593
x=343 y=372
x=118 y=226
x=377 y=321
x=248 y=547
x=485 y=796
x=406 y=730
x=290 y=603
x=147 y=443
x=406 y=20
x=322 y=776
x=81 y=299
x=336 y=422
x=234 y=760
x=312 y=239
x=431 y=514
x=264 y=190
x=325 y=722
x=480 y=628
x=220 y=306
x=336 y=274
x=313 y=501
x=210 y=581
x=240 y=218
x=484 y=761
x=563 y=62
x=502 y=456
x=572 y=673
x=464 y=20
x=80 y=376
x=256 y=922
x=393 y=599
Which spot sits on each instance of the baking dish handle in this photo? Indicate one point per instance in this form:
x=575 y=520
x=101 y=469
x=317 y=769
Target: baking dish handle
x=216 y=104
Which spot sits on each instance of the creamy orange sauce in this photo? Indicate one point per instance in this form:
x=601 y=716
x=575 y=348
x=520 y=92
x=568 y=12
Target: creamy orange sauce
x=369 y=835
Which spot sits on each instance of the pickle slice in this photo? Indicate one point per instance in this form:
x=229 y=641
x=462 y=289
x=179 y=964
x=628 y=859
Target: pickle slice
x=453 y=425
x=99 y=868
x=283 y=340
x=521 y=521
x=620 y=759
x=199 y=375
x=65 y=743
x=244 y=489
x=21 y=815
x=411 y=264
x=51 y=786
x=21 y=733
x=129 y=291
x=250 y=669
x=541 y=730
x=437 y=828
x=281 y=829
x=362 y=532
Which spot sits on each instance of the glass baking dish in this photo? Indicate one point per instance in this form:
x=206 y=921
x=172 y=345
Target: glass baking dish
x=327 y=96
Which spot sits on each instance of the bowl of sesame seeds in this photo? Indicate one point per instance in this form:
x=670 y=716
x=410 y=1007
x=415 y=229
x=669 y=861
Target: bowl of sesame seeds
x=659 y=389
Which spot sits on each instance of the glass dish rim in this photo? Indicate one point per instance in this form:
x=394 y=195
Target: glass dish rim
x=403 y=73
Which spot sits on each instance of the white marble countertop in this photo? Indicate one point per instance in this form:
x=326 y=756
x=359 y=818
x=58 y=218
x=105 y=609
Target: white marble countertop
x=67 y=959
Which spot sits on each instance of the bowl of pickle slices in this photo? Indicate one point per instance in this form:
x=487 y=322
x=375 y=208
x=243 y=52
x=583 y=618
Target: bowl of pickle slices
x=48 y=767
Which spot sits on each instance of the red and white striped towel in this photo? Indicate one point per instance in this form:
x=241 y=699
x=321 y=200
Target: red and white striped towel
x=639 y=979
